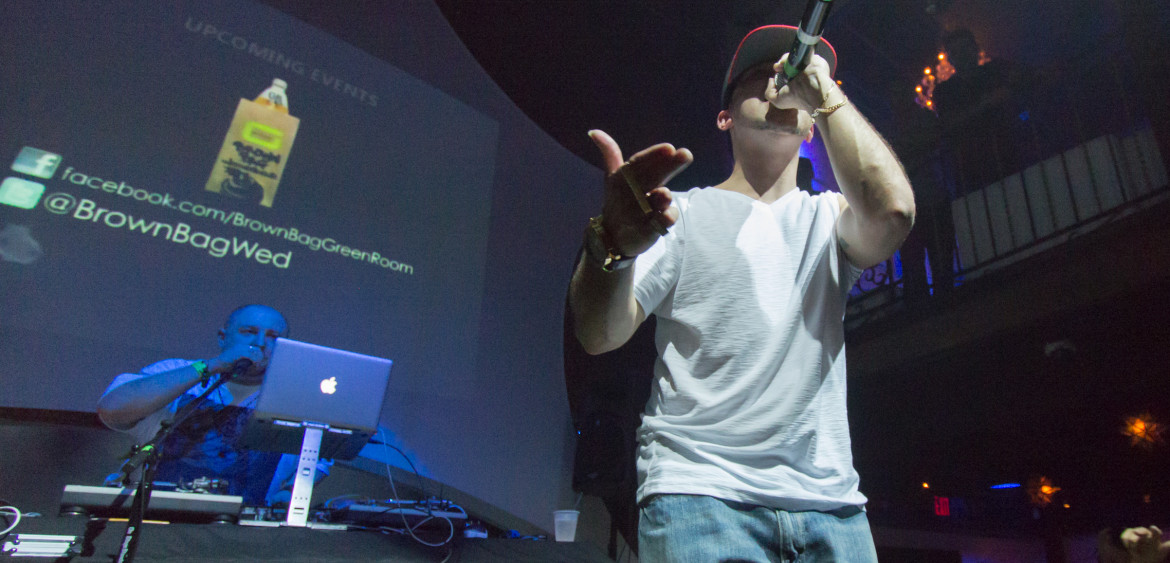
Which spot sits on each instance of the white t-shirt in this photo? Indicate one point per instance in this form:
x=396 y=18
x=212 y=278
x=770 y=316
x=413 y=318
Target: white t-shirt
x=145 y=429
x=748 y=402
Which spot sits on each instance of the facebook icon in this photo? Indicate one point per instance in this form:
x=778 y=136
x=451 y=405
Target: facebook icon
x=36 y=162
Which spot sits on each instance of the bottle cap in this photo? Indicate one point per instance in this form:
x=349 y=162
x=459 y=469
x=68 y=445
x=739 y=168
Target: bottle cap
x=279 y=83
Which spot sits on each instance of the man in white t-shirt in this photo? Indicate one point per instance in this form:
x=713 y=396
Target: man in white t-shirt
x=744 y=449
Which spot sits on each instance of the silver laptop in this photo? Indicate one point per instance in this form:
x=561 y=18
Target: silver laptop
x=326 y=387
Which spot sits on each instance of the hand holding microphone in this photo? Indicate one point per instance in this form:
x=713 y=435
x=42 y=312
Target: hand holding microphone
x=810 y=90
x=236 y=360
x=807 y=37
x=241 y=366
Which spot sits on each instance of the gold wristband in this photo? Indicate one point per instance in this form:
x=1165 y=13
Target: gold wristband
x=599 y=251
x=828 y=110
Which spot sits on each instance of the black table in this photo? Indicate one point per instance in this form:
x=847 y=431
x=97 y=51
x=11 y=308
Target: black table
x=183 y=543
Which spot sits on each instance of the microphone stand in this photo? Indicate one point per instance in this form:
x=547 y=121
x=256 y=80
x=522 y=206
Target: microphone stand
x=147 y=457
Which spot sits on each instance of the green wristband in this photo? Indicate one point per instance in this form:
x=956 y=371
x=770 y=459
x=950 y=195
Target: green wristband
x=201 y=368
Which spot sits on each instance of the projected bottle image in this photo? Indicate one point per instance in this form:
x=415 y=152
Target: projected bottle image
x=256 y=147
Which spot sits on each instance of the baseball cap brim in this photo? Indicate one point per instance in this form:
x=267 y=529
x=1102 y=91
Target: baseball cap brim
x=767 y=44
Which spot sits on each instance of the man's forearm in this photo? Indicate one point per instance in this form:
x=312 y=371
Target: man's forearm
x=865 y=167
x=126 y=404
x=636 y=211
x=605 y=313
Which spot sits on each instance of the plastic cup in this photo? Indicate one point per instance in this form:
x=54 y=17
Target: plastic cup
x=565 y=524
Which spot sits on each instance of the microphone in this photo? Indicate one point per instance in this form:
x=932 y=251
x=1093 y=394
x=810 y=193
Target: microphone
x=807 y=37
x=240 y=367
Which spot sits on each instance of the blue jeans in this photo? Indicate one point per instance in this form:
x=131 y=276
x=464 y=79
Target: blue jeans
x=693 y=528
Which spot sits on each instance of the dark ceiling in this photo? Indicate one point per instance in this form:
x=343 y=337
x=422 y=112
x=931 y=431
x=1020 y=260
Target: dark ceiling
x=650 y=71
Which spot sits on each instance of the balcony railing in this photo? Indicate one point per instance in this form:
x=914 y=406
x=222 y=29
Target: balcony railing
x=1077 y=171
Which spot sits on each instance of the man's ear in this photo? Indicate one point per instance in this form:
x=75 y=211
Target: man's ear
x=723 y=121
x=222 y=337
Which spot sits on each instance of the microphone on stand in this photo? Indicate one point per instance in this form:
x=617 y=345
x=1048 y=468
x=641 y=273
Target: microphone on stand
x=807 y=37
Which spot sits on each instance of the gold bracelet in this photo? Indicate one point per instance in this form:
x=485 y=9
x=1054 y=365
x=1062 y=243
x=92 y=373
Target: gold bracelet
x=830 y=109
x=827 y=94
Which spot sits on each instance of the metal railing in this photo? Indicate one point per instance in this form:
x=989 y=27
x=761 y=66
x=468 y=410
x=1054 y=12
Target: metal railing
x=1077 y=168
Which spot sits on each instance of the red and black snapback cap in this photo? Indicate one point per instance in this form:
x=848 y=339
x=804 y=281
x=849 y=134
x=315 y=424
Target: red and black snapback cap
x=767 y=44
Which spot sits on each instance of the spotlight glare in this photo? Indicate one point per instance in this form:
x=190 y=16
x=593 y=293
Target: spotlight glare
x=1041 y=490
x=1143 y=431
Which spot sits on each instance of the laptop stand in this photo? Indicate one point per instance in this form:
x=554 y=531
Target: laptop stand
x=302 y=491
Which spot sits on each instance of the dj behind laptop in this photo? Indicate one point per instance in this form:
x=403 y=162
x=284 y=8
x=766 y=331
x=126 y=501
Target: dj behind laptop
x=316 y=402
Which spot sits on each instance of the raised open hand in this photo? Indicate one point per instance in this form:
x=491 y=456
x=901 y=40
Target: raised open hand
x=637 y=205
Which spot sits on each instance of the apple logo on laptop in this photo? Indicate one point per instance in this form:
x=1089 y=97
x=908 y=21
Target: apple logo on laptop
x=329 y=386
